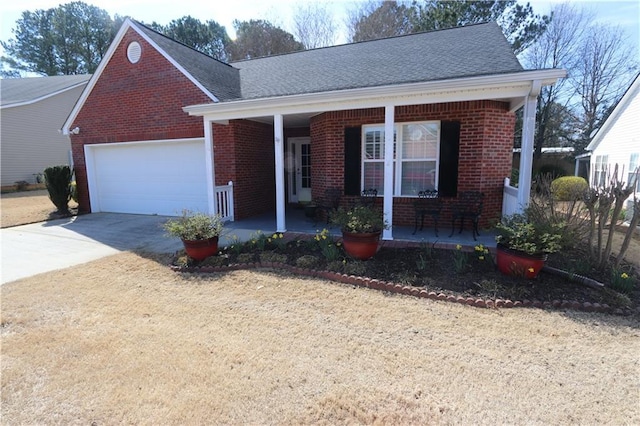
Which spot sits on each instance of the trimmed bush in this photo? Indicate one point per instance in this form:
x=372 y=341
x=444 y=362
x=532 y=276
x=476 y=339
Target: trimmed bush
x=58 y=180
x=568 y=188
x=551 y=170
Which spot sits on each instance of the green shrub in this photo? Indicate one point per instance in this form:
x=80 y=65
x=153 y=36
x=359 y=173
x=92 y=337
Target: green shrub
x=569 y=188
x=550 y=170
x=270 y=256
x=307 y=261
x=515 y=177
x=193 y=226
x=356 y=267
x=621 y=281
x=58 y=180
x=246 y=258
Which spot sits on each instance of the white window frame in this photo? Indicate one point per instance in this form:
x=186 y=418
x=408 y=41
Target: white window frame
x=634 y=173
x=600 y=167
x=398 y=157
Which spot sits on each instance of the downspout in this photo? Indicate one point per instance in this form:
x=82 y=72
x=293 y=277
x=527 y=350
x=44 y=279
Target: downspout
x=212 y=202
x=389 y=117
x=526 y=154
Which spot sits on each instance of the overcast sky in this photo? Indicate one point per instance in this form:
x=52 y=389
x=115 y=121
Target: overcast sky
x=625 y=13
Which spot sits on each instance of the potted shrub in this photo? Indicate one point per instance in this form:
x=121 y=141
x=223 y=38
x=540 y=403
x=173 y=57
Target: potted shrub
x=361 y=227
x=523 y=245
x=199 y=233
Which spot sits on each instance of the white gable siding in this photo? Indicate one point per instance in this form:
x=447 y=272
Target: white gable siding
x=622 y=139
x=30 y=137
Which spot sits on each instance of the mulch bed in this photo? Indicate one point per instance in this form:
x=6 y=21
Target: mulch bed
x=430 y=272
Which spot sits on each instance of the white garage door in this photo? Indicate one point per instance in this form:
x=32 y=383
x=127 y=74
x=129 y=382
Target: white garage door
x=159 y=177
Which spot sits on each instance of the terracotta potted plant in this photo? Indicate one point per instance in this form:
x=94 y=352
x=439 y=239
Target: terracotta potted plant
x=523 y=245
x=199 y=233
x=361 y=227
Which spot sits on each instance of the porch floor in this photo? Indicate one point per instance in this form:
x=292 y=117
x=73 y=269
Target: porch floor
x=298 y=223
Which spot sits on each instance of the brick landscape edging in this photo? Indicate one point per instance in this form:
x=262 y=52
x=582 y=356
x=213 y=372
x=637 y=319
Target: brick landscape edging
x=376 y=284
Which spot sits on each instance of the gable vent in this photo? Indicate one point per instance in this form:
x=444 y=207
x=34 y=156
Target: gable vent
x=134 y=51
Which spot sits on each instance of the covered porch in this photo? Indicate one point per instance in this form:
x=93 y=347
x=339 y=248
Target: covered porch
x=252 y=140
x=298 y=223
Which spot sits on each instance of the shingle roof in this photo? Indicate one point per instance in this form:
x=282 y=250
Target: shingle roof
x=221 y=79
x=473 y=50
x=20 y=90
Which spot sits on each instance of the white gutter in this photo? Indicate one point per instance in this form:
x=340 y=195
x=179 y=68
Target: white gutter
x=500 y=86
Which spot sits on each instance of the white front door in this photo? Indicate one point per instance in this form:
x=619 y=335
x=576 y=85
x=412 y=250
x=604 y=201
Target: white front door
x=299 y=169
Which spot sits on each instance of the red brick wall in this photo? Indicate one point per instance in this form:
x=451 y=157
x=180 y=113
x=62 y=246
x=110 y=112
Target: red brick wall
x=244 y=153
x=134 y=102
x=486 y=142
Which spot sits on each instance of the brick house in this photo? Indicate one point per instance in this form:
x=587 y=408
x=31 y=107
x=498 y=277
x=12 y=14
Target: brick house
x=161 y=127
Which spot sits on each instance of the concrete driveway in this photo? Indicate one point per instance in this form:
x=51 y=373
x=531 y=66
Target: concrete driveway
x=41 y=247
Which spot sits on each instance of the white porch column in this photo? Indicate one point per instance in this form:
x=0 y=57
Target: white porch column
x=389 y=117
x=278 y=136
x=526 y=155
x=210 y=168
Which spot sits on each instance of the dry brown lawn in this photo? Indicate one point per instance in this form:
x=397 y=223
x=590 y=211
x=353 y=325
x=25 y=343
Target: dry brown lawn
x=126 y=340
x=20 y=208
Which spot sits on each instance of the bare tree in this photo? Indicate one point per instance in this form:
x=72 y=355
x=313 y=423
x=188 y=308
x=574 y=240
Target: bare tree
x=605 y=67
x=556 y=48
x=313 y=25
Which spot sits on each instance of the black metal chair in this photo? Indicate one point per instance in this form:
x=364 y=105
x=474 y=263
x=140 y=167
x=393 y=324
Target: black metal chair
x=368 y=197
x=468 y=205
x=428 y=203
x=330 y=202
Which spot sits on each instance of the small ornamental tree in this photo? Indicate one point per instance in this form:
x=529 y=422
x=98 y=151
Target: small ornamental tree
x=58 y=180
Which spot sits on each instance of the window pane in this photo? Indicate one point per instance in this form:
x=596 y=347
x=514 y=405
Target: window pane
x=418 y=176
x=374 y=176
x=420 y=140
x=374 y=144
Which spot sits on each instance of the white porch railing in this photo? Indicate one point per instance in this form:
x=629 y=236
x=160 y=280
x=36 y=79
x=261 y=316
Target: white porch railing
x=509 y=199
x=224 y=201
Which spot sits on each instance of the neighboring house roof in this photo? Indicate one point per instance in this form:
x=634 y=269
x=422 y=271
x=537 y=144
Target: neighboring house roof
x=23 y=91
x=632 y=92
x=474 y=50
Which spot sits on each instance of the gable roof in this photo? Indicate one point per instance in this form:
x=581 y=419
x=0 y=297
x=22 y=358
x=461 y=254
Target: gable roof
x=452 y=55
x=221 y=79
x=23 y=91
x=473 y=50
x=194 y=65
x=632 y=92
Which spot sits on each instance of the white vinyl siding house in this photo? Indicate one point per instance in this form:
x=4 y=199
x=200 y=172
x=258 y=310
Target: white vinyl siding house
x=30 y=131
x=618 y=140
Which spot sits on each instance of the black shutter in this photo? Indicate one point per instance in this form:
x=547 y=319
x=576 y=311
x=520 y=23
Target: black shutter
x=449 y=150
x=352 y=160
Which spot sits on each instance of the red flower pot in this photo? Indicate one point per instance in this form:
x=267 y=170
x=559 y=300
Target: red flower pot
x=517 y=263
x=201 y=249
x=360 y=245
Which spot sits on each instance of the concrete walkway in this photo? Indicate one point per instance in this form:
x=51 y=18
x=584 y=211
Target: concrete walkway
x=42 y=247
x=33 y=249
